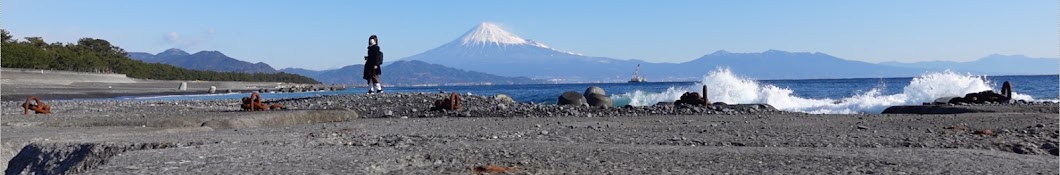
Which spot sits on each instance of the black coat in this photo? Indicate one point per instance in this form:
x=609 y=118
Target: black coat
x=374 y=58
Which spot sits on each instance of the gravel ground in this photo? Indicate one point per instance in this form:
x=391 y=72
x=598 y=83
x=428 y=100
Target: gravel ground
x=398 y=134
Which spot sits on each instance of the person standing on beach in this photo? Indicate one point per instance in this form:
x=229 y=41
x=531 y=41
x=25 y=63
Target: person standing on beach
x=372 y=63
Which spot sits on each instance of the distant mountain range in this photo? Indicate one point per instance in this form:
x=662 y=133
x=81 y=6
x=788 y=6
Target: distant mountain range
x=488 y=54
x=406 y=73
x=490 y=49
x=992 y=65
x=411 y=73
x=204 y=60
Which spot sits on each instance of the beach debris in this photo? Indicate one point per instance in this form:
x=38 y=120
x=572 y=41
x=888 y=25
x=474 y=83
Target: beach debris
x=985 y=132
x=183 y=86
x=490 y=169
x=957 y=128
x=37 y=106
x=253 y=103
x=452 y=103
x=597 y=97
x=571 y=98
x=693 y=98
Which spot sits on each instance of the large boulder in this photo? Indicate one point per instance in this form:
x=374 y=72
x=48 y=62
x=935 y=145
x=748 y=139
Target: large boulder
x=571 y=98
x=504 y=98
x=597 y=97
x=594 y=90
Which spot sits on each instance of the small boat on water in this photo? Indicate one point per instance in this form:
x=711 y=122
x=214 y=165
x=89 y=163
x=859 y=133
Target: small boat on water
x=636 y=76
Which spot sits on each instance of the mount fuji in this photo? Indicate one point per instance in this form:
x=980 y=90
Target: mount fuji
x=491 y=49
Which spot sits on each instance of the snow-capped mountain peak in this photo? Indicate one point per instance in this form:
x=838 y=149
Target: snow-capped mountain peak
x=490 y=33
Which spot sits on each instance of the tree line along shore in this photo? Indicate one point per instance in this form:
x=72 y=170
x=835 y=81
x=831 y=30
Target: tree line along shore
x=98 y=55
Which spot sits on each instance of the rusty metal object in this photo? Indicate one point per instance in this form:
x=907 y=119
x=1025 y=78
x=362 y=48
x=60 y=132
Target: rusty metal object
x=985 y=132
x=37 y=106
x=706 y=102
x=253 y=103
x=1006 y=90
x=452 y=103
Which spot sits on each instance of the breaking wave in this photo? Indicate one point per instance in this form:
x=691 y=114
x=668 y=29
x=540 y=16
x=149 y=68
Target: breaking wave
x=724 y=86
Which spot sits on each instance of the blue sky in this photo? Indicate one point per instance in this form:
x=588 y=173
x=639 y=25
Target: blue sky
x=330 y=34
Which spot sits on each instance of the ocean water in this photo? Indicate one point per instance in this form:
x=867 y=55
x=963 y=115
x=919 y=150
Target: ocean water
x=822 y=96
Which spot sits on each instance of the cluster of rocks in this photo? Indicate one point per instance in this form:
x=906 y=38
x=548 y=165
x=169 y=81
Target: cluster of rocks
x=594 y=96
x=977 y=102
x=693 y=98
x=414 y=105
x=988 y=96
x=293 y=89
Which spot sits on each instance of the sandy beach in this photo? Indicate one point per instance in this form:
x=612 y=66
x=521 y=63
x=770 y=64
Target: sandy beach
x=60 y=85
x=398 y=134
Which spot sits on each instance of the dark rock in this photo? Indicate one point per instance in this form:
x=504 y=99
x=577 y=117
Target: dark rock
x=691 y=98
x=930 y=110
x=594 y=90
x=598 y=100
x=719 y=103
x=943 y=100
x=1023 y=148
x=980 y=98
x=1049 y=146
x=862 y=127
x=664 y=104
x=571 y=98
x=597 y=97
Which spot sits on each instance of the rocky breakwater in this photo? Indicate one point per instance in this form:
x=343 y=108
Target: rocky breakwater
x=977 y=102
x=569 y=104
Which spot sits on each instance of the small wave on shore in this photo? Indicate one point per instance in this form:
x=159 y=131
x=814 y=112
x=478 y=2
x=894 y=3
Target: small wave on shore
x=725 y=86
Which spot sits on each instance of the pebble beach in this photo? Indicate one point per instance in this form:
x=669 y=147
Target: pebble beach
x=398 y=133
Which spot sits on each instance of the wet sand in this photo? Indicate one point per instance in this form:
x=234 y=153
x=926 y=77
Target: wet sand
x=398 y=134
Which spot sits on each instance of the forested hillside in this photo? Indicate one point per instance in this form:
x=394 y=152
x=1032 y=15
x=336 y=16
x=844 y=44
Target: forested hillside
x=98 y=55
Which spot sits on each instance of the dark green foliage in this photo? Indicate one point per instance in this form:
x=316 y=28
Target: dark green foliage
x=97 y=55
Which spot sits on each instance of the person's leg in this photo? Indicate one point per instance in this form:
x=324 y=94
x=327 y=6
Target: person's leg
x=378 y=87
x=371 y=88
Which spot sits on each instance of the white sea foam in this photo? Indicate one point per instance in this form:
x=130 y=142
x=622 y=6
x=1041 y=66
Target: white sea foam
x=724 y=86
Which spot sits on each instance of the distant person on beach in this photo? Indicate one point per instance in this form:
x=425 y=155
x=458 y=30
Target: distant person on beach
x=372 y=63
